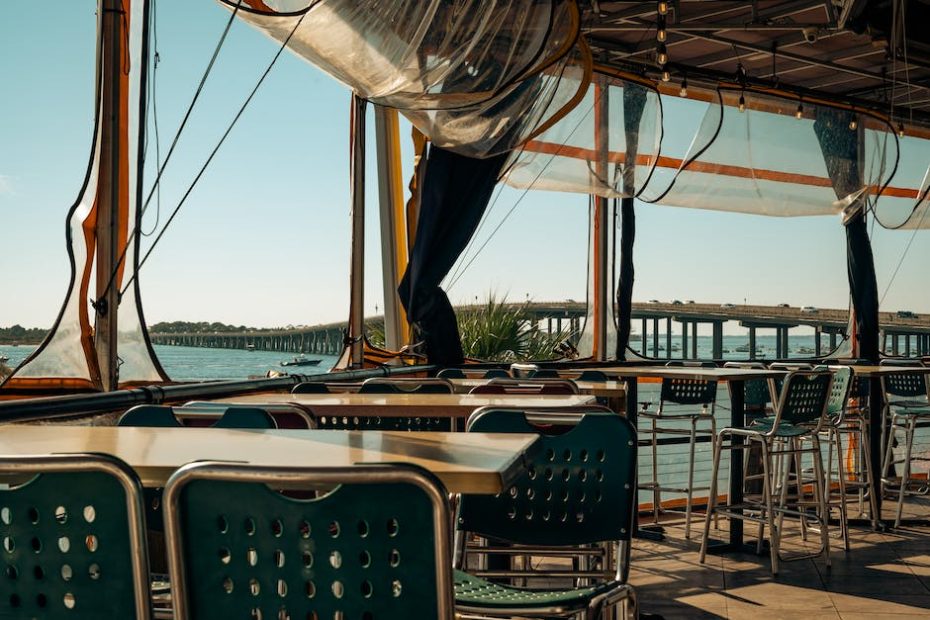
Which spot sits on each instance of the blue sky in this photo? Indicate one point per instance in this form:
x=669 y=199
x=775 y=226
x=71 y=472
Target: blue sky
x=264 y=238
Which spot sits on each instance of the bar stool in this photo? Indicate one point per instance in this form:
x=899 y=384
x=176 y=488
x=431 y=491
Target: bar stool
x=799 y=416
x=855 y=459
x=907 y=409
x=676 y=393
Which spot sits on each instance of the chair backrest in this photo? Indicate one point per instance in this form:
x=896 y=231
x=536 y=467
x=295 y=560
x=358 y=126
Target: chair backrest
x=593 y=375
x=790 y=366
x=578 y=488
x=546 y=373
x=378 y=388
x=497 y=373
x=526 y=386
x=285 y=415
x=451 y=373
x=409 y=386
x=220 y=416
x=905 y=384
x=839 y=391
x=311 y=387
x=73 y=538
x=149 y=416
x=900 y=361
x=804 y=397
x=688 y=391
x=689 y=364
x=375 y=546
x=756 y=392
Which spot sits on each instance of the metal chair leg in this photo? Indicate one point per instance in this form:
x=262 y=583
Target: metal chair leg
x=712 y=496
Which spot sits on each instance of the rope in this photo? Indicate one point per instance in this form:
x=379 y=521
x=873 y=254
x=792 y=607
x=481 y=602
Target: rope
x=174 y=142
x=153 y=100
x=215 y=150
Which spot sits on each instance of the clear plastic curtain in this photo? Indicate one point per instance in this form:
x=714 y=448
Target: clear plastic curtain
x=67 y=359
x=478 y=77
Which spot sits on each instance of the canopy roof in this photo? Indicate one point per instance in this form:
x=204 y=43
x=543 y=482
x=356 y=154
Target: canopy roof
x=845 y=49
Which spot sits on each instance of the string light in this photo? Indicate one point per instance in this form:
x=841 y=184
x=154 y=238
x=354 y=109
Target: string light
x=662 y=54
x=853 y=124
x=666 y=76
x=742 y=103
x=684 y=87
x=900 y=130
x=661 y=34
x=663 y=8
x=800 y=112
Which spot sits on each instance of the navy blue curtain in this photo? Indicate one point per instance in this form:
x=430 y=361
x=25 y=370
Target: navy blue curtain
x=455 y=194
x=634 y=101
x=840 y=147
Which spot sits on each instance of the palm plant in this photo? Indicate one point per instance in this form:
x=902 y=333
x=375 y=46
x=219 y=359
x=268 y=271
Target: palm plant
x=499 y=331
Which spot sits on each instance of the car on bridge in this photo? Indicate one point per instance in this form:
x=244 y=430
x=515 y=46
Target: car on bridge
x=784 y=305
x=905 y=314
x=809 y=310
x=727 y=306
x=677 y=302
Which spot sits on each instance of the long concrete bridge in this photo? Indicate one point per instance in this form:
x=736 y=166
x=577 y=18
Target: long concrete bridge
x=902 y=332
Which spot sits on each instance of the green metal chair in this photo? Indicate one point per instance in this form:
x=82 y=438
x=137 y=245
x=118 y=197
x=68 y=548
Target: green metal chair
x=593 y=375
x=800 y=416
x=224 y=416
x=578 y=493
x=73 y=536
x=907 y=408
x=383 y=385
x=374 y=545
x=311 y=387
x=159 y=416
x=451 y=373
x=497 y=373
x=683 y=405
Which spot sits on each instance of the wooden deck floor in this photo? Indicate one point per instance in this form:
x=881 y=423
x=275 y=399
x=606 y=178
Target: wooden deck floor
x=884 y=575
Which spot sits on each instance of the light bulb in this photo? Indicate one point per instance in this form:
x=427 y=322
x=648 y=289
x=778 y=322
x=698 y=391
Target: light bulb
x=684 y=87
x=661 y=34
x=853 y=124
x=800 y=112
x=666 y=76
x=661 y=54
x=663 y=8
x=742 y=103
x=900 y=130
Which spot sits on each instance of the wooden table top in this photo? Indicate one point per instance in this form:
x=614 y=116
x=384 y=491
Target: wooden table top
x=693 y=372
x=465 y=462
x=878 y=371
x=594 y=388
x=397 y=405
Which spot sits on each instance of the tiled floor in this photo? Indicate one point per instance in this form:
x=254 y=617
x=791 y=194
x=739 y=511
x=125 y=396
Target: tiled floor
x=884 y=575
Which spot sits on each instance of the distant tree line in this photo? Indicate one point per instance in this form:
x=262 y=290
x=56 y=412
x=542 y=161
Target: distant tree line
x=187 y=327
x=18 y=334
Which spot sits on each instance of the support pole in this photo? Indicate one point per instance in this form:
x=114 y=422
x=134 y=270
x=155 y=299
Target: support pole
x=752 y=343
x=668 y=338
x=600 y=229
x=393 y=223
x=357 y=272
x=108 y=195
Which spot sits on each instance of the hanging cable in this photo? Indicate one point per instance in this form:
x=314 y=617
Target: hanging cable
x=519 y=200
x=153 y=100
x=190 y=108
x=903 y=255
x=214 y=151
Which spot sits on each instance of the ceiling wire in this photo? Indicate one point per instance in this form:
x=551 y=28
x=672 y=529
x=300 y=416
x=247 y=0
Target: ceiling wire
x=452 y=283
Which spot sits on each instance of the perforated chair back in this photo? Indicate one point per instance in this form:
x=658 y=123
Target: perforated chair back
x=578 y=487
x=839 y=391
x=689 y=364
x=805 y=397
x=451 y=373
x=311 y=387
x=688 y=391
x=756 y=392
x=378 y=388
x=74 y=539
x=376 y=546
x=905 y=385
x=285 y=415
